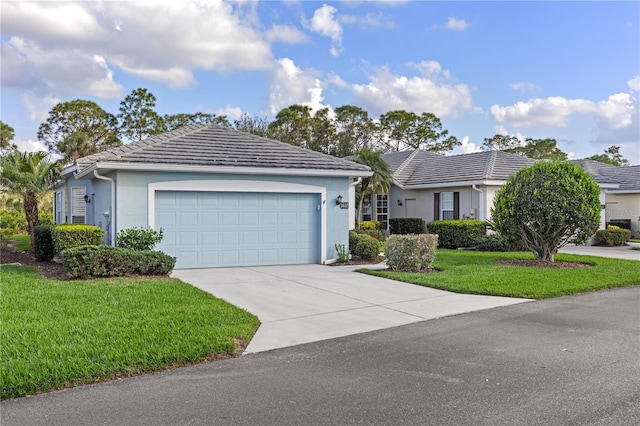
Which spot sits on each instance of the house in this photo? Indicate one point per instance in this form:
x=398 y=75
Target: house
x=221 y=197
x=432 y=186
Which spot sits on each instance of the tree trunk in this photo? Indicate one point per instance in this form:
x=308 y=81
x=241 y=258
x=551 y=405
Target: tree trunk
x=364 y=185
x=31 y=213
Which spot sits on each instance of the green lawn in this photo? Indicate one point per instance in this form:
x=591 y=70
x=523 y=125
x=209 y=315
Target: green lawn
x=63 y=333
x=23 y=242
x=479 y=273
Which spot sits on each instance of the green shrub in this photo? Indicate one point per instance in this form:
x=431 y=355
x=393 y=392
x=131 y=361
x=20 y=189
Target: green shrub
x=411 y=253
x=43 y=240
x=457 y=233
x=12 y=222
x=406 y=225
x=366 y=247
x=374 y=233
x=139 y=238
x=69 y=235
x=369 y=224
x=107 y=261
x=493 y=242
x=612 y=236
x=620 y=223
x=353 y=239
x=343 y=253
x=45 y=217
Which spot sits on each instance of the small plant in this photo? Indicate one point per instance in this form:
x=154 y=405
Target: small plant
x=139 y=238
x=343 y=253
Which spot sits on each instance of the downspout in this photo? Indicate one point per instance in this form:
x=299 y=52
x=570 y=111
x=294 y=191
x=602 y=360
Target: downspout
x=353 y=216
x=112 y=236
x=480 y=202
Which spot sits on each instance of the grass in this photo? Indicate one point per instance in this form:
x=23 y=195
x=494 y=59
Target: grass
x=23 y=242
x=479 y=273
x=57 y=334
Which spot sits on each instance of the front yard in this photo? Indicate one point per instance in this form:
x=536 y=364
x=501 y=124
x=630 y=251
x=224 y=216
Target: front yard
x=57 y=334
x=482 y=273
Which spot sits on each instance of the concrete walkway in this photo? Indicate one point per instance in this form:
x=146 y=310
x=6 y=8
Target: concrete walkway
x=621 y=252
x=308 y=303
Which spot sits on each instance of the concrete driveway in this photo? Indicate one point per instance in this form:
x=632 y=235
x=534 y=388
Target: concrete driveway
x=307 y=303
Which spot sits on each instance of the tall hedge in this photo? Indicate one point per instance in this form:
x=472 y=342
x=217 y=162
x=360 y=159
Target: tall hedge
x=406 y=225
x=43 y=239
x=457 y=233
x=68 y=236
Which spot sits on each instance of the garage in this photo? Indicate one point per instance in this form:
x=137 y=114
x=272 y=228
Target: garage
x=218 y=229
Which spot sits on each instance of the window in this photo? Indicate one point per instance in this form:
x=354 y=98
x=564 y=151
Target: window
x=382 y=210
x=446 y=205
x=59 y=211
x=366 y=208
x=78 y=206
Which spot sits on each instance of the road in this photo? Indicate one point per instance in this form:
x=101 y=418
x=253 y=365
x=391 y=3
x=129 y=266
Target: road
x=570 y=360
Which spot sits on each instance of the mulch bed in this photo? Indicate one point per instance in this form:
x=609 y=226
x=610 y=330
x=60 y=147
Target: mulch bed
x=50 y=270
x=540 y=264
x=358 y=261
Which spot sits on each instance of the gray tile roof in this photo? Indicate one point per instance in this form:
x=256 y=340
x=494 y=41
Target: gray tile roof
x=628 y=177
x=212 y=145
x=594 y=168
x=426 y=168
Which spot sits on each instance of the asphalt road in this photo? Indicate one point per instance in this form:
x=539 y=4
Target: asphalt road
x=571 y=360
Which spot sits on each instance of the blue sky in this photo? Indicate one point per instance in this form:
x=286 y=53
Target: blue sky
x=563 y=70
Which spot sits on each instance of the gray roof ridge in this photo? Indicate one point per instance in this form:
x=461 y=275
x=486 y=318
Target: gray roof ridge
x=491 y=162
x=406 y=162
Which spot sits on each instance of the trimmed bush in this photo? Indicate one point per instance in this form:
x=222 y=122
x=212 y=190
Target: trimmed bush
x=353 y=240
x=369 y=224
x=43 y=240
x=366 y=247
x=612 y=236
x=492 y=242
x=138 y=238
x=107 y=261
x=68 y=236
x=457 y=233
x=406 y=225
x=411 y=253
x=375 y=234
x=620 y=223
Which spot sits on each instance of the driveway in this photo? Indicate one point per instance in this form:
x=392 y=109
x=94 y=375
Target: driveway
x=308 y=303
x=620 y=252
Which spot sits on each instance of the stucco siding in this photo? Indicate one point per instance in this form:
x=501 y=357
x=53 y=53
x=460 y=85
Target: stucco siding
x=624 y=206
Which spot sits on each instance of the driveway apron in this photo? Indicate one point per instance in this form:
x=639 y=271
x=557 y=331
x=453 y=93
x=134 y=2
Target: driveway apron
x=307 y=303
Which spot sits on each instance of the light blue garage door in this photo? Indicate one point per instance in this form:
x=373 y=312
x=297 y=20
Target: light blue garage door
x=217 y=229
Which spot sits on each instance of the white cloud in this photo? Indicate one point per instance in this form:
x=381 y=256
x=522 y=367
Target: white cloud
x=29 y=145
x=370 y=20
x=466 y=147
x=292 y=85
x=324 y=23
x=336 y=80
x=634 y=83
x=432 y=91
x=232 y=112
x=38 y=107
x=286 y=34
x=456 y=24
x=523 y=87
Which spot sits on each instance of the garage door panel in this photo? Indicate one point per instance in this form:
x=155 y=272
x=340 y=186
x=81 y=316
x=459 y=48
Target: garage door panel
x=235 y=229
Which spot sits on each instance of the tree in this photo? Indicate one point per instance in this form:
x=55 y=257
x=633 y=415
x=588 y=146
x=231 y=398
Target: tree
x=408 y=130
x=379 y=182
x=6 y=135
x=68 y=118
x=354 y=129
x=175 y=121
x=501 y=143
x=29 y=174
x=254 y=125
x=137 y=116
x=611 y=156
x=541 y=149
x=323 y=132
x=292 y=125
x=76 y=146
x=546 y=206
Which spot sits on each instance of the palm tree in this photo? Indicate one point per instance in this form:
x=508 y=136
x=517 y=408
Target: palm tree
x=29 y=174
x=77 y=146
x=379 y=182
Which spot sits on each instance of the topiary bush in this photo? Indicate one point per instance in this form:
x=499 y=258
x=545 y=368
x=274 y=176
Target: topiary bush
x=69 y=235
x=43 y=239
x=411 y=253
x=406 y=225
x=493 y=242
x=366 y=247
x=139 y=238
x=107 y=261
x=457 y=233
x=612 y=236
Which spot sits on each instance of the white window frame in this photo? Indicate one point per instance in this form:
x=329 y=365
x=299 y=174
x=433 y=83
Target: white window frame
x=446 y=205
x=78 y=205
x=60 y=206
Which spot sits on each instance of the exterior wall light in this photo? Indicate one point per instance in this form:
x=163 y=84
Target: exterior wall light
x=87 y=199
x=339 y=200
x=399 y=202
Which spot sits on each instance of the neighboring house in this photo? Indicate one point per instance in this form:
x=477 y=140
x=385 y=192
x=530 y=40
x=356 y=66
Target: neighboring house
x=432 y=186
x=221 y=197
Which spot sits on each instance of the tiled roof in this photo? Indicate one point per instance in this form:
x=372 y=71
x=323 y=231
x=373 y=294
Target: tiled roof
x=212 y=145
x=628 y=177
x=595 y=168
x=424 y=168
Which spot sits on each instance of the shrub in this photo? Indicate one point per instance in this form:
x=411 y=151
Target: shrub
x=374 y=233
x=369 y=224
x=353 y=239
x=612 y=236
x=12 y=222
x=547 y=206
x=408 y=225
x=107 y=261
x=366 y=247
x=411 y=253
x=457 y=233
x=343 y=253
x=43 y=239
x=139 y=238
x=45 y=217
x=620 y=223
x=492 y=242
x=69 y=236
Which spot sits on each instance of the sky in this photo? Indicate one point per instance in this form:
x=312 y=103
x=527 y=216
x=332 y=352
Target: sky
x=545 y=69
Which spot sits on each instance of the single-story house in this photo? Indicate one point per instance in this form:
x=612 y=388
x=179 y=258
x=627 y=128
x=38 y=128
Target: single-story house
x=221 y=197
x=432 y=186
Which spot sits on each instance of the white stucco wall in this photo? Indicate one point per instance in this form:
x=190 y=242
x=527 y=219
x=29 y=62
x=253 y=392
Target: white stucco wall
x=624 y=206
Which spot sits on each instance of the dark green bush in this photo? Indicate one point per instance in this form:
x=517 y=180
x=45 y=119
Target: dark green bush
x=406 y=225
x=69 y=235
x=411 y=252
x=366 y=247
x=457 y=233
x=353 y=239
x=139 y=238
x=493 y=242
x=107 y=261
x=613 y=236
x=43 y=240
x=620 y=223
